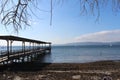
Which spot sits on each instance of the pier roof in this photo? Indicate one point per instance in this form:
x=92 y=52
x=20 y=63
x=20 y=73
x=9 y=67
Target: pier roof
x=15 y=38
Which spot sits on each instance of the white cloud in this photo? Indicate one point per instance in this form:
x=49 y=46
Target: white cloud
x=60 y=40
x=102 y=36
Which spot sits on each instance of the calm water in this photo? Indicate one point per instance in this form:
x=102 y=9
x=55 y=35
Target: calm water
x=80 y=54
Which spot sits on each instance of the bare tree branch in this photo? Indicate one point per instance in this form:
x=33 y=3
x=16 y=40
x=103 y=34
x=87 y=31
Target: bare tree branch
x=16 y=13
x=51 y=12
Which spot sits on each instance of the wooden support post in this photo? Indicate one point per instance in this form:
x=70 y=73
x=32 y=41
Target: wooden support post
x=22 y=59
x=33 y=46
x=30 y=46
x=39 y=46
x=50 y=47
x=44 y=45
x=11 y=46
x=23 y=47
x=8 y=49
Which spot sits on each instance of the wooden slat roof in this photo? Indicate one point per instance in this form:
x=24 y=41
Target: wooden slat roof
x=15 y=38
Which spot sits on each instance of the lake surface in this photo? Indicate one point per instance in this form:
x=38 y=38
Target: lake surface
x=82 y=54
x=79 y=54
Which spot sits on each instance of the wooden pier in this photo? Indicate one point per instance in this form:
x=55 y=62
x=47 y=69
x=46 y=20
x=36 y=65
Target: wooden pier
x=30 y=49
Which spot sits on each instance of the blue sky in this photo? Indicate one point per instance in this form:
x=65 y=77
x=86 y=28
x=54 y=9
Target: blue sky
x=68 y=25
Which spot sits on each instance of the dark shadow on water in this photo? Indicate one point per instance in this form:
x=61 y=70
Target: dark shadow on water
x=36 y=65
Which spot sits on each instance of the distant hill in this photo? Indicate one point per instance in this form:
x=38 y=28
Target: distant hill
x=93 y=43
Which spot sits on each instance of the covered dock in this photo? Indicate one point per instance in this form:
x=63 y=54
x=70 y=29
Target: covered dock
x=29 y=49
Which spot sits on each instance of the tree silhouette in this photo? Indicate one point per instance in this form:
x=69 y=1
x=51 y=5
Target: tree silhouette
x=15 y=12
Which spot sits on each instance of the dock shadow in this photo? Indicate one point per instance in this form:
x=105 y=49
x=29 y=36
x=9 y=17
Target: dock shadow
x=26 y=66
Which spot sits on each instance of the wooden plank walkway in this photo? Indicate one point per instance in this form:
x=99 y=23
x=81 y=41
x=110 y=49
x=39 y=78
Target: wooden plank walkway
x=10 y=55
